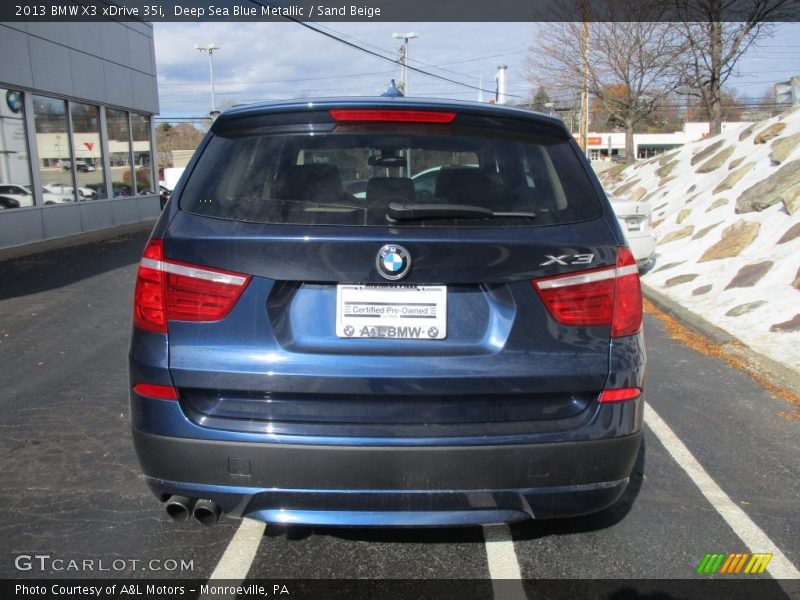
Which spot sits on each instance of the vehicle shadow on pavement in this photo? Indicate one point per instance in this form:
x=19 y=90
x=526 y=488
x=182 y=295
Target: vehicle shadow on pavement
x=60 y=267
x=526 y=530
x=411 y=535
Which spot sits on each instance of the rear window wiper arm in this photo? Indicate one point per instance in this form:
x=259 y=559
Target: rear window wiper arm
x=409 y=211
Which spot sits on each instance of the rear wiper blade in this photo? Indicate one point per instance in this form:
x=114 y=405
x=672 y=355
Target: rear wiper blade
x=408 y=211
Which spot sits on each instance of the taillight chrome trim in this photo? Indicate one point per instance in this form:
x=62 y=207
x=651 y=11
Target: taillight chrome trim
x=577 y=279
x=194 y=272
x=627 y=270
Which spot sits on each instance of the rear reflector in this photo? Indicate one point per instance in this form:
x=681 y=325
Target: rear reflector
x=402 y=116
x=619 y=395
x=604 y=296
x=153 y=390
x=172 y=290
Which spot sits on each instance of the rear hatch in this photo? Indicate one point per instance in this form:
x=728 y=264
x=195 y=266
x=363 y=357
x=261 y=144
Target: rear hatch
x=399 y=311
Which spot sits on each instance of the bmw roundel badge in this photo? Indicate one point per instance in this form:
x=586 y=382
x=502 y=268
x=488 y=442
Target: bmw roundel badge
x=393 y=262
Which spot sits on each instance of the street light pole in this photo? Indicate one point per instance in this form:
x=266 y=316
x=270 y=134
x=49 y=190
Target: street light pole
x=404 y=58
x=210 y=50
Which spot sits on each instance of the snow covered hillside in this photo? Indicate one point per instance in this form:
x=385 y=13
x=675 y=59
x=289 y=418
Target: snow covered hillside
x=726 y=211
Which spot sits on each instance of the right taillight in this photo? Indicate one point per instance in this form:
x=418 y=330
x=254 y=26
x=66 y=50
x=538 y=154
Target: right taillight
x=172 y=290
x=606 y=296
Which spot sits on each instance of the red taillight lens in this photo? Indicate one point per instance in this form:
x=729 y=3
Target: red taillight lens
x=153 y=390
x=149 y=304
x=172 y=290
x=605 y=296
x=628 y=296
x=619 y=395
x=402 y=116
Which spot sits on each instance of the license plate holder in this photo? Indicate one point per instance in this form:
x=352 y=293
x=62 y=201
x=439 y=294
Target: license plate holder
x=410 y=312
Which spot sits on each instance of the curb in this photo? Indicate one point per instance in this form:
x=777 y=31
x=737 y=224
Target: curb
x=74 y=240
x=729 y=345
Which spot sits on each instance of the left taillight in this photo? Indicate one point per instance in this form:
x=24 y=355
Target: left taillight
x=606 y=296
x=172 y=290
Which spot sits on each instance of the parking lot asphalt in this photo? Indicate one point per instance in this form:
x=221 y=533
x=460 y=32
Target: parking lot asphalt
x=72 y=488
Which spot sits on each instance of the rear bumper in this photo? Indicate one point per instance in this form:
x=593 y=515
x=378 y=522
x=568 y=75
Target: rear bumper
x=391 y=485
x=644 y=250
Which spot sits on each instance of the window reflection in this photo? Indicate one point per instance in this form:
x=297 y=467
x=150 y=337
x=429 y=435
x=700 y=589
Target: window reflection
x=55 y=154
x=119 y=152
x=88 y=151
x=140 y=128
x=15 y=167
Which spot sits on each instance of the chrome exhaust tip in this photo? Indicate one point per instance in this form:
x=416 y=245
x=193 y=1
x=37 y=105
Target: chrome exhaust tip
x=206 y=512
x=179 y=507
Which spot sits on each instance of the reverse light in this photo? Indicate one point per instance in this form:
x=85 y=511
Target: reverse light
x=397 y=116
x=153 y=390
x=619 y=395
x=172 y=290
x=605 y=296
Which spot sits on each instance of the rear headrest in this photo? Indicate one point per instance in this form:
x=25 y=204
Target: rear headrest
x=304 y=182
x=465 y=185
x=399 y=189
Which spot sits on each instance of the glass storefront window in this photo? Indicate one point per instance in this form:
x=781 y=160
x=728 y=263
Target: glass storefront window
x=15 y=167
x=55 y=154
x=140 y=128
x=88 y=151
x=119 y=152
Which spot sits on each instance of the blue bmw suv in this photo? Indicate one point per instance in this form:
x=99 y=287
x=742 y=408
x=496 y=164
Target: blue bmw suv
x=468 y=353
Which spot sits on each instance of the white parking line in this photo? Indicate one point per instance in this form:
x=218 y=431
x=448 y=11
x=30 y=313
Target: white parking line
x=239 y=555
x=751 y=534
x=503 y=564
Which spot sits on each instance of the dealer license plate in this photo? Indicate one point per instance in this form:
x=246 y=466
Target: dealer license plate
x=391 y=311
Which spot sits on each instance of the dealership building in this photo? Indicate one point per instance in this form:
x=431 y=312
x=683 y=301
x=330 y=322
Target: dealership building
x=76 y=128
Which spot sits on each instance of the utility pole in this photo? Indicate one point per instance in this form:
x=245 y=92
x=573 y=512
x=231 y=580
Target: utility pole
x=584 y=126
x=210 y=49
x=403 y=85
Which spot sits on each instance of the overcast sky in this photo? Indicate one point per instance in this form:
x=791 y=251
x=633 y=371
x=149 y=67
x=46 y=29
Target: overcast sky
x=267 y=61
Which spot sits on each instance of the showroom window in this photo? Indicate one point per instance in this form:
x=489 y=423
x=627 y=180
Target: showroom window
x=55 y=152
x=140 y=130
x=119 y=152
x=15 y=166
x=88 y=151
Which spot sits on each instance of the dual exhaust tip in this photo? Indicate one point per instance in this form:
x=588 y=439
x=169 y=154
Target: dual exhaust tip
x=180 y=508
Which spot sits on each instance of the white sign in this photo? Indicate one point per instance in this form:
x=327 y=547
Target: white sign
x=391 y=311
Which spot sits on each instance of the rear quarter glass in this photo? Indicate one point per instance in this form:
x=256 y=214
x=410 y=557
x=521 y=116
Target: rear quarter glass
x=274 y=169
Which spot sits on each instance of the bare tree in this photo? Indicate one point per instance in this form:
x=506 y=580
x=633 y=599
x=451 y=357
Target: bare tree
x=717 y=34
x=634 y=61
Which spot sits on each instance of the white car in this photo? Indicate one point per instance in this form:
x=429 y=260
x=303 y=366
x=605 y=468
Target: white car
x=63 y=189
x=24 y=195
x=20 y=193
x=635 y=218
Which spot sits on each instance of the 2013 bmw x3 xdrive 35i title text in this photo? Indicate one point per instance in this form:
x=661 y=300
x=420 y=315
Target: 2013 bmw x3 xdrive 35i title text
x=466 y=353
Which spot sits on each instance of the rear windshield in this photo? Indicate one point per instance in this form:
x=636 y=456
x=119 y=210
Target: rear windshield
x=378 y=175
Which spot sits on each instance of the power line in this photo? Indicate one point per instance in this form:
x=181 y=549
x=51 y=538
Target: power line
x=269 y=81
x=381 y=56
x=282 y=80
